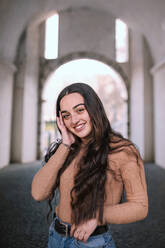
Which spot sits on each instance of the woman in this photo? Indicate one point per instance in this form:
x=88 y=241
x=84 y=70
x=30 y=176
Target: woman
x=90 y=166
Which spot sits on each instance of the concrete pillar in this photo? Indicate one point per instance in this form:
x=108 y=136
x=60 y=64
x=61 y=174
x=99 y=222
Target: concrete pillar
x=158 y=72
x=141 y=98
x=87 y=30
x=24 y=133
x=6 y=93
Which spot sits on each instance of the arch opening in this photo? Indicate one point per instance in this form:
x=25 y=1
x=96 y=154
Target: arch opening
x=107 y=83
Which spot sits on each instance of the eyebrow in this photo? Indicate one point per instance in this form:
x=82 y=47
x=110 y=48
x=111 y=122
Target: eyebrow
x=65 y=111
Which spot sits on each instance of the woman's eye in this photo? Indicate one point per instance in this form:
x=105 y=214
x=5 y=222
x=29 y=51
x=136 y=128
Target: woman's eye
x=80 y=110
x=66 y=117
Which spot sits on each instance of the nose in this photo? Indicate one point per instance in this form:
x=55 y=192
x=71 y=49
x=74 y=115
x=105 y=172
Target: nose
x=75 y=119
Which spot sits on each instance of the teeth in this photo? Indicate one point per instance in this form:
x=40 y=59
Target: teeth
x=79 y=126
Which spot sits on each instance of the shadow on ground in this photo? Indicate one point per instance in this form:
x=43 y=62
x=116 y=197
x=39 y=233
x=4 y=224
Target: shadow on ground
x=23 y=222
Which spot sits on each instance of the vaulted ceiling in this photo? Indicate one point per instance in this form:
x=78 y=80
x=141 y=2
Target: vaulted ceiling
x=145 y=16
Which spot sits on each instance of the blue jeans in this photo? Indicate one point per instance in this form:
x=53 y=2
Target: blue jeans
x=59 y=241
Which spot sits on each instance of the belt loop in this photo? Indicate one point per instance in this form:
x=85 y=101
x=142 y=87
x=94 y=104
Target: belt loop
x=61 y=227
x=66 y=231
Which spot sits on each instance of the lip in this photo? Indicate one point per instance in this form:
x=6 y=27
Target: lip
x=79 y=127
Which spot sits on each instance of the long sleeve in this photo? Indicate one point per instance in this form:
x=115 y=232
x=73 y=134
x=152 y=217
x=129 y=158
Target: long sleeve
x=136 y=207
x=45 y=178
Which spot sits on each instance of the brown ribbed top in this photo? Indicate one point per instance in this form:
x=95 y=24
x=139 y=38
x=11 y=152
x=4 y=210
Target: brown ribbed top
x=127 y=173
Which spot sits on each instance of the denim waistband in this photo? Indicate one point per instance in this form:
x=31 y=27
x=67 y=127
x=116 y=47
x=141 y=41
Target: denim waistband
x=64 y=227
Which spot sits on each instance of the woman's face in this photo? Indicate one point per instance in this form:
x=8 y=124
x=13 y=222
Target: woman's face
x=75 y=115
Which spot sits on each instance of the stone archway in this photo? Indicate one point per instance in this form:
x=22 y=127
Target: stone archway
x=45 y=68
x=50 y=66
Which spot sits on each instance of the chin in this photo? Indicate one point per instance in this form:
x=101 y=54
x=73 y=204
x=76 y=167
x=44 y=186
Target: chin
x=86 y=136
x=83 y=135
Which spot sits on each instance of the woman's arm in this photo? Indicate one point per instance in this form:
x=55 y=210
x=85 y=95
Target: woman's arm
x=136 y=207
x=45 y=178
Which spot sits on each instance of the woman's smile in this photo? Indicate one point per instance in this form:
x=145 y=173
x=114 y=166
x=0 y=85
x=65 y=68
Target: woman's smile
x=79 y=127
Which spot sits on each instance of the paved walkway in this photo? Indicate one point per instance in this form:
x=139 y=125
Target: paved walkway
x=23 y=223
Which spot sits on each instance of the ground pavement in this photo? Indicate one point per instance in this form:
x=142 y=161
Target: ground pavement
x=23 y=223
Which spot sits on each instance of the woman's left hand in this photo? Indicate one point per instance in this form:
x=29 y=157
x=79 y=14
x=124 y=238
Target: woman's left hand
x=84 y=230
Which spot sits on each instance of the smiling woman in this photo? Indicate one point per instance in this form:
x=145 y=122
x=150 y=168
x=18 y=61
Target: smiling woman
x=90 y=166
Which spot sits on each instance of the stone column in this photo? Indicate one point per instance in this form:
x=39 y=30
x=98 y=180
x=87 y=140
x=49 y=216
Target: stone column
x=141 y=97
x=158 y=72
x=6 y=92
x=87 y=30
x=24 y=133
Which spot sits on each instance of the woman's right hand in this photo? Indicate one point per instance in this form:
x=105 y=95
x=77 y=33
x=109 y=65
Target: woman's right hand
x=67 y=137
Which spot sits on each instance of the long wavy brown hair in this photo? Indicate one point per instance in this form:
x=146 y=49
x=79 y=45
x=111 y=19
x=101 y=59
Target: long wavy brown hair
x=88 y=194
